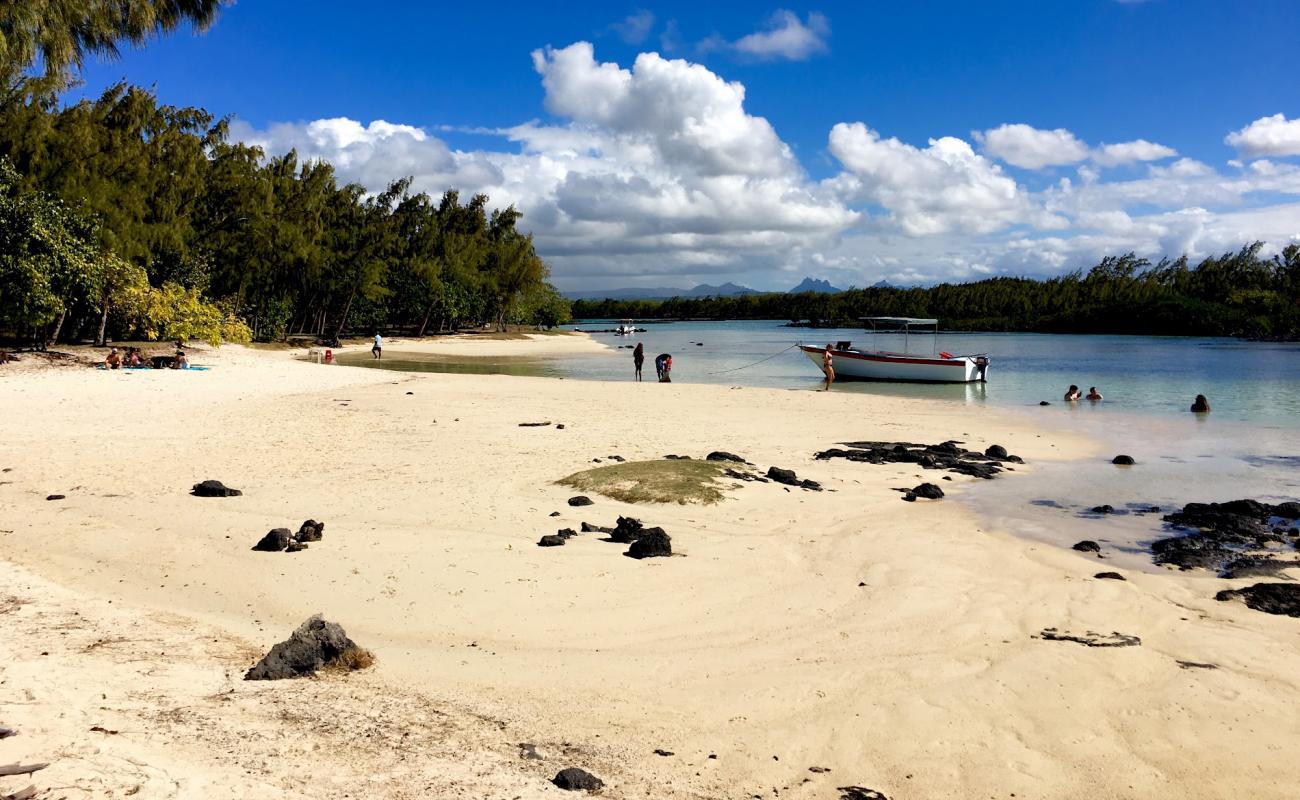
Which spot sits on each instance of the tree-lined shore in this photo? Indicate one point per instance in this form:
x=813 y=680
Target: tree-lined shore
x=1238 y=293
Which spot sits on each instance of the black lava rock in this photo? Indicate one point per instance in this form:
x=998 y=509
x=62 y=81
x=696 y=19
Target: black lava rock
x=1087 y=546
x=947 y=456
x=550 y=540
x=566 y=533
x=652 y=542
x=1125 y=461
x=580 y=500
x=785 y=476
x=929 y=491
x=274 y=541
x=214 y=489
x=1191 y=552
x=722 y=455
x=1106 y=509
x=56 y=497
x=860 y=793
x=1109 y=576
x=1256 y=567
x=295 y=546
x=574 y=779
x=996 y=451
x=310 y=531
x=554 y=514
x=1289 y=510
x=587 y=527
x=314 y=645
x=810 y=485
x=1043 y=403
x=1271 y=598
x=627 y=530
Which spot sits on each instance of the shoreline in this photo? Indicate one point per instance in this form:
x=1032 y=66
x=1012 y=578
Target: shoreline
x=758 y=642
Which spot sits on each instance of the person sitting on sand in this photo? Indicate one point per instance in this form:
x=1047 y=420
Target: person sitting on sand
x=1072 y=394
x=1093 y=394
x=828 y=366
x=638 y=358
x=180 y=361
x=1201 y=405
x=113 y=360
x=133 y=357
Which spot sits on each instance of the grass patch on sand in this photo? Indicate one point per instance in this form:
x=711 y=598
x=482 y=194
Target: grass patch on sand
x=668 y=481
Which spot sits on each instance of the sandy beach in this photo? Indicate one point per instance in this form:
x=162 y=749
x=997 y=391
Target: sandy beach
x=889 y=645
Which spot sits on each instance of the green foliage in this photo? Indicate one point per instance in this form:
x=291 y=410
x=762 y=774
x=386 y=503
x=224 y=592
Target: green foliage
x=48 y=256
x=61 y=33
x=277 y=240
x=1235 y=294
x=175 y=313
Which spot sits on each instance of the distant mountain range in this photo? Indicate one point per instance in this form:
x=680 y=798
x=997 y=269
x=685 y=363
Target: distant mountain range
x=814 y=285
x=703 y=290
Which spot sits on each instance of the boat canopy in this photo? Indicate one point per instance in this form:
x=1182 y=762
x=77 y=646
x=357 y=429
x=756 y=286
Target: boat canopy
x=903 y=321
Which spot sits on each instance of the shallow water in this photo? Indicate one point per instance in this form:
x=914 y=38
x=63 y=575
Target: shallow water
x=1249 y=446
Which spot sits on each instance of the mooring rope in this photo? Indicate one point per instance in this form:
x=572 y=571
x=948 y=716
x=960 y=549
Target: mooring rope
x=756 y=363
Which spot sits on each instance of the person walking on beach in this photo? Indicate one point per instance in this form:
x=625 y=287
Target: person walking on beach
x=828 y=366
x=1072 y=394
x=378 y=350
x=1201 y=405
x=1093 y=394
x=638 y=358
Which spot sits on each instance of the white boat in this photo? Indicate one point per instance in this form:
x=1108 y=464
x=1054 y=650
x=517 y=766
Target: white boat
x=625 y=327
x=852 y=363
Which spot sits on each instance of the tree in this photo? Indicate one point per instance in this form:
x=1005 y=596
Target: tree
x=61 y=33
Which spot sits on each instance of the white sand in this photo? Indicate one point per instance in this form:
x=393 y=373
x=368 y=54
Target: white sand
x=758 y=645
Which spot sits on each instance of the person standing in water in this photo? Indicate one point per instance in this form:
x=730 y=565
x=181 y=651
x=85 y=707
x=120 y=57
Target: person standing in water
x=1093 y=394
x=638 y=358
x=378 y=350
x=664 y=367
x=1201 y=405
x=828 y=366
x=1072 y=394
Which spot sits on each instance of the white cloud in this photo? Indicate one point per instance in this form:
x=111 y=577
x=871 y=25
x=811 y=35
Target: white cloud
x=787 y=37
x=1267 y=136
x=1110 y=155
x=1028 y=147
x=942 y=188
x=656 y=173
x=1022 y=145
x=636 y=28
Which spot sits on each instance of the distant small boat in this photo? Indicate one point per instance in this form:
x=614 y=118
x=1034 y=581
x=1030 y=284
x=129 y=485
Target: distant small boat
x=852 y=363
x=625 y=327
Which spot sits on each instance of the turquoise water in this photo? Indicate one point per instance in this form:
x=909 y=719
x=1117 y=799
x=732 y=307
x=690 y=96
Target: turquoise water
x=1254 y=382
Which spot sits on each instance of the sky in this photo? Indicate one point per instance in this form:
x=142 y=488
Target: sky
x=674 y=143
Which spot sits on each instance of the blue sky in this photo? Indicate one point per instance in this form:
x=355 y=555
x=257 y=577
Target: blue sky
x=650 y=180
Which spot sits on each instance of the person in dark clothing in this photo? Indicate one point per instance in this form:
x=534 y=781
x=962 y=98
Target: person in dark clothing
x=638 y=358
x=1201 y=405
x=664 y=367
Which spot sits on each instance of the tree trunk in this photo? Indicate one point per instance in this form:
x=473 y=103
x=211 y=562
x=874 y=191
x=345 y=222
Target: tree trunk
x=343 y=319
x=428 y=312
x=58 y=326
x=103 y=325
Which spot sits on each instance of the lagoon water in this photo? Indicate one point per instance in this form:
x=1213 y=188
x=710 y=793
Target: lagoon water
x=1249 y=446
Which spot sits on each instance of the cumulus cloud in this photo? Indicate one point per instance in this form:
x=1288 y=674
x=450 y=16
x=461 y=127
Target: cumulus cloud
x=1110 y=155
x=1028 y=147
x=941 y=188
x=785 y=37
x=636 y=28
x=1022 y=145
x=1267 y=136
x=657 y=173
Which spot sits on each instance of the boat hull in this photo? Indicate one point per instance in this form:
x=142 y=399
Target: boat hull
x=896 y=367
